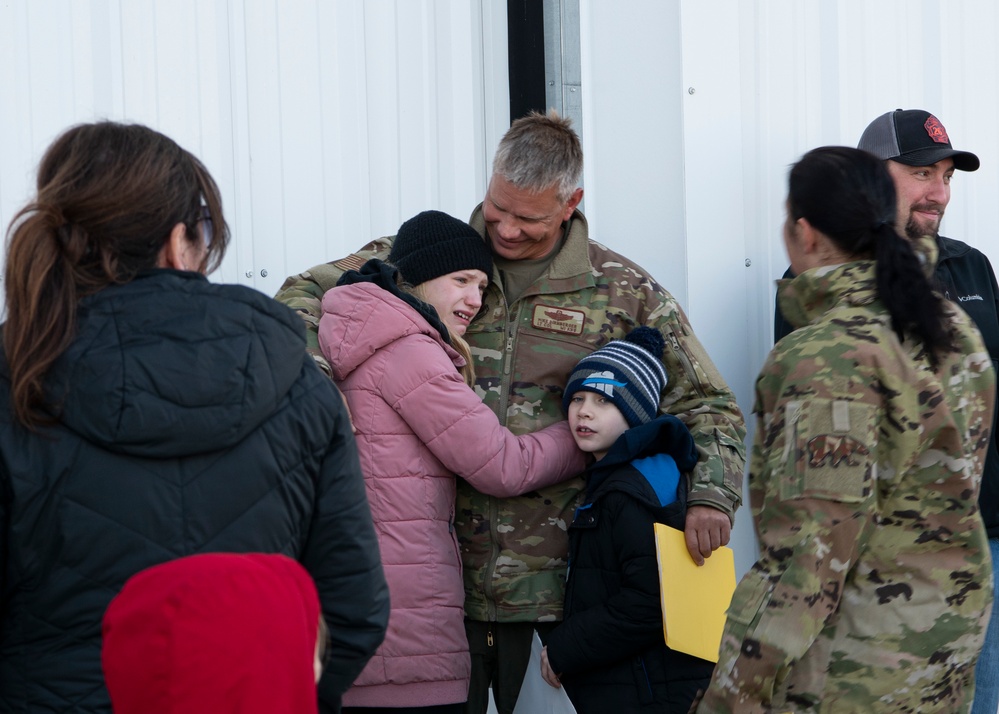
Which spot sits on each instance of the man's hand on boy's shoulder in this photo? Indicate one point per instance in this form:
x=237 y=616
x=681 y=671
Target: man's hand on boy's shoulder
x=706 y=530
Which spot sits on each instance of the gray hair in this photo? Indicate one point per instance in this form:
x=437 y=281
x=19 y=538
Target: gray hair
x=540 y=151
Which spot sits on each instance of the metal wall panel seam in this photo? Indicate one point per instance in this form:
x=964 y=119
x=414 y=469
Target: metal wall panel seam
x=242 y=249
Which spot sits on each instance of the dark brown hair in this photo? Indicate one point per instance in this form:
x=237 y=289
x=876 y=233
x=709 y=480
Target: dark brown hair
x=108 y=197
x=849 y=196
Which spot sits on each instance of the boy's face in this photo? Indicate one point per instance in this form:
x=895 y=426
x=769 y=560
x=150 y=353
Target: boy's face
x=595 y=422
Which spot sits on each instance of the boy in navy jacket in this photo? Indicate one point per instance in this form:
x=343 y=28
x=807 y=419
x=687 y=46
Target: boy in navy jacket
x=609 y=651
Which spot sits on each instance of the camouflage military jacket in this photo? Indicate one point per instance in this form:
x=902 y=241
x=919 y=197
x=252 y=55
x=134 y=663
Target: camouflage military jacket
x=873 y=585
x=514 y=549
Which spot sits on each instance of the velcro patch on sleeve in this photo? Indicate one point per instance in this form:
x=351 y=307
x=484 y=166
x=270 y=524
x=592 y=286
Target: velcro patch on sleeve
x=351 y=262
x=831 y=450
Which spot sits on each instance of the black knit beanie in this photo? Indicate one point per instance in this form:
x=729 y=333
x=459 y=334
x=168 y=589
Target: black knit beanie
x=629 y=372
x=432 y=244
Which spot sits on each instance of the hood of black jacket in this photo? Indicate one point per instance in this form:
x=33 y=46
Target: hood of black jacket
x=663 y=435
x=171 y=365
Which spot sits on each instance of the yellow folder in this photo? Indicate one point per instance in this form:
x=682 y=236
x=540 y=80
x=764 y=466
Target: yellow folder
x=694 y=598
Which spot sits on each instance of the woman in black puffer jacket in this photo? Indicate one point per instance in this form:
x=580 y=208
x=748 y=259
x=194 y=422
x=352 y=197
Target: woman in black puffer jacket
x=149 y=414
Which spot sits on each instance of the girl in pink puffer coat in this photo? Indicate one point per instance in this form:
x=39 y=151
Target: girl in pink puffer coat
x=400 y=361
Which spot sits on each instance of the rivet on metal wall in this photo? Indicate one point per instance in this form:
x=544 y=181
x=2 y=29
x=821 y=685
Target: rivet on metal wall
x=748 y=262
x=690 y=90
x=263 y=273
x=249 y=273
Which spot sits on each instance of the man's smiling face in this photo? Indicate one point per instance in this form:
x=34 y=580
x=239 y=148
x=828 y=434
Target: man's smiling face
x=522 y=225
x=923 y=195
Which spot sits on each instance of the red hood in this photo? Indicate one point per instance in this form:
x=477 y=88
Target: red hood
x=213 y=633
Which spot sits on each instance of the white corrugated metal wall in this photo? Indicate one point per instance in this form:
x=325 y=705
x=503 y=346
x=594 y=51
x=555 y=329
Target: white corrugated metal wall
x=329 y=122
x=694 y=109
x=325 y=123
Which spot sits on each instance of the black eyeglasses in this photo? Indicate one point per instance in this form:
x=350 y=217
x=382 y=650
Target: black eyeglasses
x=207 y=228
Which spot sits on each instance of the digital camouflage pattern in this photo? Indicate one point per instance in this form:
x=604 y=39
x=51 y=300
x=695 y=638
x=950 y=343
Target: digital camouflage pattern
x=514 y=549
x=873 y=584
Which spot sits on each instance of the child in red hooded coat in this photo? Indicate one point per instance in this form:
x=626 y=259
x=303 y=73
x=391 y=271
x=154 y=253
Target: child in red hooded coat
x=214 y=633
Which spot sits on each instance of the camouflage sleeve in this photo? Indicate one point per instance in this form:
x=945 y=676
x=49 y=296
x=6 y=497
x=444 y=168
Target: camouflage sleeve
x=783 y=603
x=304 y=292
x=698 y=395
x=812 y=528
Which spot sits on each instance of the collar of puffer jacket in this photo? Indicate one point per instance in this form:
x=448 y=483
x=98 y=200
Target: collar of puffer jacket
x=386 y=276
x=360 y=319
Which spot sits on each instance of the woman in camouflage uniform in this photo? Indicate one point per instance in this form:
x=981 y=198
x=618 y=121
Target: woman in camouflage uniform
x=873 y=584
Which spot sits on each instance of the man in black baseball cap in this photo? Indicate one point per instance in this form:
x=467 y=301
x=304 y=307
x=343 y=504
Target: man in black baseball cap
x=913 y=137
x=921 y=160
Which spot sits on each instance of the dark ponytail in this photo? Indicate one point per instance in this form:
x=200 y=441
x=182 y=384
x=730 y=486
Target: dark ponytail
x=908 y=293
x=849 y=196
x=108 y=196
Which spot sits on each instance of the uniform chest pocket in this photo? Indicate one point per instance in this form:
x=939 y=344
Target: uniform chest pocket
x=829 y=447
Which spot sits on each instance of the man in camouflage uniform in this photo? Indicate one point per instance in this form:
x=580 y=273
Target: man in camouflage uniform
x=555 y=297
x=873 y=585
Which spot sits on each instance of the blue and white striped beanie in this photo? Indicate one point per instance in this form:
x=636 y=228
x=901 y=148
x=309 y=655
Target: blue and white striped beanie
x=629 y=372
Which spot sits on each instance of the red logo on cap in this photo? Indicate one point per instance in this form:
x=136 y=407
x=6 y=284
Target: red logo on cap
x=936 y=130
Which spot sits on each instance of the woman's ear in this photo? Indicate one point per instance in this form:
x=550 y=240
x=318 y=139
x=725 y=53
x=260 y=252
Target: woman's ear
x=807 y=235
x=174 y=253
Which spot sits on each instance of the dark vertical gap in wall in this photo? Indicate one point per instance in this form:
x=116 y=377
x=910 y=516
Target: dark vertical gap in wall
x=526 y=45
